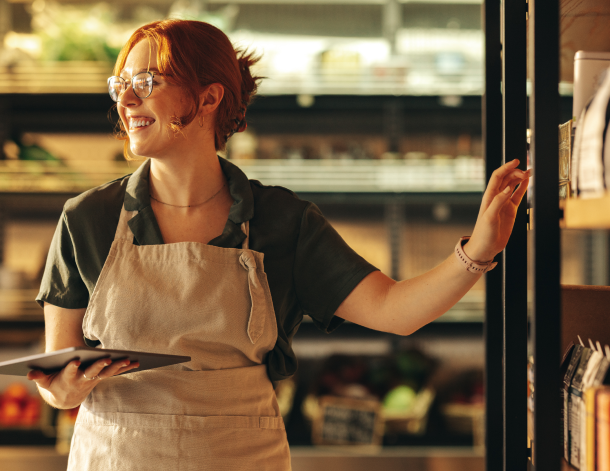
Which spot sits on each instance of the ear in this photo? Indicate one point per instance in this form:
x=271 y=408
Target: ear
x=210 y=98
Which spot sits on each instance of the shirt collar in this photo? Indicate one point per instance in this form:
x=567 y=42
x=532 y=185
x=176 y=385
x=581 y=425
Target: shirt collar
x=144 y=225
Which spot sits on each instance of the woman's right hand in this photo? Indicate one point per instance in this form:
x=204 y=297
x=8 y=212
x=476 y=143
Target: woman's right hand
x=69 y=387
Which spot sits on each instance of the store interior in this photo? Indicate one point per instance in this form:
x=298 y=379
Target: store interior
x=371 y=109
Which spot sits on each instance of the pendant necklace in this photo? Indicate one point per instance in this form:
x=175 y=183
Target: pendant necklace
x=189 y=206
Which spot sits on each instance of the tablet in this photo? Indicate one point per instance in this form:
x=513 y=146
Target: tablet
x=54 y=361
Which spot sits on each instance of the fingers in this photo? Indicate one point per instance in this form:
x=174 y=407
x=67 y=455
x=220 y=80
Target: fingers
x=500 y=199
x=105 y=368
x=514 y=175
x=115 y=368
x=500 y=173
x=39 y=377
x=130 y=366
x=500 y=178
x=44 y=380
x=94 y=370
x=518 y=195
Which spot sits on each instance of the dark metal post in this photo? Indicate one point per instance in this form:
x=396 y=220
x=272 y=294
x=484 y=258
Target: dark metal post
x=393 y=124
x=395 y=211
x=514 y=95
x=493 y=328
x=546 y=316
x=3 y=218
x=5 y=125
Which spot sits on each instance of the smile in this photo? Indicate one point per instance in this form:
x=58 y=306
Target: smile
x=139 y=123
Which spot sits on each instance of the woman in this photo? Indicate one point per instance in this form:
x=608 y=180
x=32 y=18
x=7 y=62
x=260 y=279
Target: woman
x=170 y=259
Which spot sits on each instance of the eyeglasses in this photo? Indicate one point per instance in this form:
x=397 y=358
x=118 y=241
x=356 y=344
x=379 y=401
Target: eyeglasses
x=142 y=85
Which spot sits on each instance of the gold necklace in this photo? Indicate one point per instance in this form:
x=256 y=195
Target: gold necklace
x=188 y=206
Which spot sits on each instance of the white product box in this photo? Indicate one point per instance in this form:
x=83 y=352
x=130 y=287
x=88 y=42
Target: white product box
x=588 y=69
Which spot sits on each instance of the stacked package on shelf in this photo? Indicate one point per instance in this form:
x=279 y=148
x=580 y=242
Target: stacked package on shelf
x=586 y=425
x=567 y=382
x=586 y=420
x=602 y=429
x=597 y=454
x=573 y=411
x=590 y=154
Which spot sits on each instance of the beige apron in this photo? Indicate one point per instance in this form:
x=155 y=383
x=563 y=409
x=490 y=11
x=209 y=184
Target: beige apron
x=217 y=412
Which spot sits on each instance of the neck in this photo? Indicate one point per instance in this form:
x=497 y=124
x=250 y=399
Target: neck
x=187 y=180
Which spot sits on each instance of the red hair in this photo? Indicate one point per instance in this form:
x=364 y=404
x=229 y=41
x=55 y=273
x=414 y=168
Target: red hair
x=194 y=54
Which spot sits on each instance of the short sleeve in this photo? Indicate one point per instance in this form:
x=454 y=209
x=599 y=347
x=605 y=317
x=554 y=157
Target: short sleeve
x=326 y=269
x=62 y=284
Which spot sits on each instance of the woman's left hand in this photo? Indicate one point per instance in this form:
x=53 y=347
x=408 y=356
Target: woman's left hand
x=497 y=214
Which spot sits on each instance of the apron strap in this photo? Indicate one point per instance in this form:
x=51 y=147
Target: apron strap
x=122 y=230
x=245 y=227
x=258 y=297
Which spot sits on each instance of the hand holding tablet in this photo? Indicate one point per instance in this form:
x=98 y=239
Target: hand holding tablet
x=66 y=377
x=51 y=362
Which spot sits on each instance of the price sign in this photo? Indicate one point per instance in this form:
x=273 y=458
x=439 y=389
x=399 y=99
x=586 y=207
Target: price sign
x=348 y=421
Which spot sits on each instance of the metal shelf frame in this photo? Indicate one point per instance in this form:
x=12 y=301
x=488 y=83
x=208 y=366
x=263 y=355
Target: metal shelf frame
x=541 y=55
x=493 y=327
x=514 y=146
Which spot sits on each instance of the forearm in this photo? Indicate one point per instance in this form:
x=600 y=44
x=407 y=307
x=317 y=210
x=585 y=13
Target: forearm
x=383 y=304
x=380 y=303
x=416 y=302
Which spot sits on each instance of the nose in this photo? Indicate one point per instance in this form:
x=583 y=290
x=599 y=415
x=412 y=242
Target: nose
x=128 y=98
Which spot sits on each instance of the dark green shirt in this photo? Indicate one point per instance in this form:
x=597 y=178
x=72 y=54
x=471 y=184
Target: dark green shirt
x=310 y=269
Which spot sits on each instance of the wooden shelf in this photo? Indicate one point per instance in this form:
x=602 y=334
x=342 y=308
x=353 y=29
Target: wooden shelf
x=591 y=213
x=565 y=465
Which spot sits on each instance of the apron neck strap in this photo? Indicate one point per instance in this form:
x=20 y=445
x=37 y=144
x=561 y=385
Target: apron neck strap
x=123 y=231
x=245 y=227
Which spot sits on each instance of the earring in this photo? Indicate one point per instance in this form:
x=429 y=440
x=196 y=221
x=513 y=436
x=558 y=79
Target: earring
x=201 y=121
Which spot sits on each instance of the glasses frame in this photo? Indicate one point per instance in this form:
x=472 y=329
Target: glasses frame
x=124 y=84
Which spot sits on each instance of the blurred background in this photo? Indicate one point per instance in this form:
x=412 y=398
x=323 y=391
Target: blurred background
x=372 y=110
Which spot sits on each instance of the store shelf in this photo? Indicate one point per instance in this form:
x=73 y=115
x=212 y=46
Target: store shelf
x=19 y=306
x=23 y=436
x=565 y=465
x=91 y=78
x=21 y=318
x=324 y=176
x=303 y=458
x=56 y=77
x=591 y=213
x=387 y=458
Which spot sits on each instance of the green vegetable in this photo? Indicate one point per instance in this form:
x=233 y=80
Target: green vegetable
x=400 y=398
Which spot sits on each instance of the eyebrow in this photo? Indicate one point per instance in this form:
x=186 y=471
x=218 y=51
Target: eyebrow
x=152 y=69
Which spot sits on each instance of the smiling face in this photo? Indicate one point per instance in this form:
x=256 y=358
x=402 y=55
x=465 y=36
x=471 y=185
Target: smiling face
x=147 y=120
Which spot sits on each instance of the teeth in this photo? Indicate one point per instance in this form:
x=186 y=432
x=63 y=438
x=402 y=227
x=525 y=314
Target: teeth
x=140 y=123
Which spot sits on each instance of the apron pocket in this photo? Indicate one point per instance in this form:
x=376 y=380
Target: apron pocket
x=135 y=441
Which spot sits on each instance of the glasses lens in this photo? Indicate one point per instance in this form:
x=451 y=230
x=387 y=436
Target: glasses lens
x=142 y=84
x=115 y=87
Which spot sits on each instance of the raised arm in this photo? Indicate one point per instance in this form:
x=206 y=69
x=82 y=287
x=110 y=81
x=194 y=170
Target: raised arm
x=383 y=304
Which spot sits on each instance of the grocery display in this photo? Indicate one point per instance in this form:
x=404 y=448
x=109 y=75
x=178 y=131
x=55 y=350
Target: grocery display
x=348 y=50
x=413 y=403
x=18 y=407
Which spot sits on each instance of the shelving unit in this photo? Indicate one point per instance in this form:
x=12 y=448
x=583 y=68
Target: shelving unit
x=441 y=176
x=586 y=214
x=342 y=104
x=555 y=313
